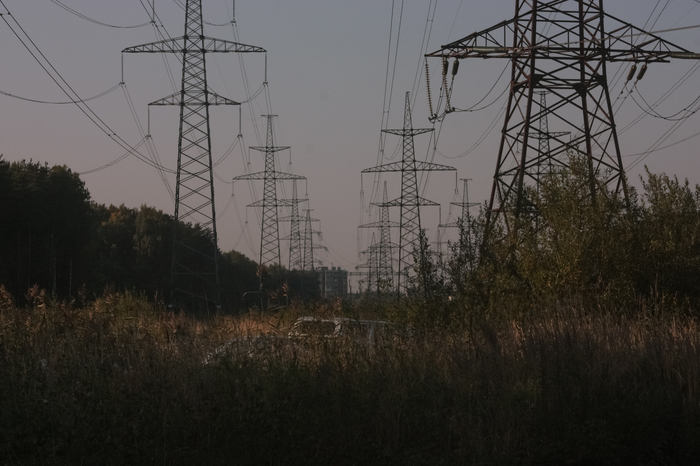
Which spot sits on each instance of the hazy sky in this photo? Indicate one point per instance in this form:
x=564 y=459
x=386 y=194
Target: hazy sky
x=327 y=64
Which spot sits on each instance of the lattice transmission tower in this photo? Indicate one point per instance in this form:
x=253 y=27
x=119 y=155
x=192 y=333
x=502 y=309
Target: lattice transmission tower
x=269 y=233
x=561 y=47
x=309 y=263
x=466 y=247
x=383 y=277
x=410 y=200
x=372 y=267
x=195 y=270
x=296 y=260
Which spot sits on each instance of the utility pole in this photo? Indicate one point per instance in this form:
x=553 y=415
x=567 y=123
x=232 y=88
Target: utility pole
x=269 y=233
x=410 y=201
x=195 y=270
x=562 y=47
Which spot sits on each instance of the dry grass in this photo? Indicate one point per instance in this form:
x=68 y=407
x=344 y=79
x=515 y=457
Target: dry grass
x=122 y=382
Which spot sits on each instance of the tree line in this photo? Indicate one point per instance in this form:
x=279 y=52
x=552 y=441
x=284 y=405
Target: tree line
x=52 y=235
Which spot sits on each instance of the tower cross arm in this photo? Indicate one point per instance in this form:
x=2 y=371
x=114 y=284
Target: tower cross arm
x=418 y=201
x=399 y=166
x=210 y=98
x=407 y=132
x=380 y=224
x=277 y=203
x=269 y=148
x=187 y=45
x=269 y=176
x=619 y=43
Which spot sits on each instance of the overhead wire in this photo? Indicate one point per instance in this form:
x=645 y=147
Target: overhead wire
x=92 y=20
x=67 y=102
x=66 y=88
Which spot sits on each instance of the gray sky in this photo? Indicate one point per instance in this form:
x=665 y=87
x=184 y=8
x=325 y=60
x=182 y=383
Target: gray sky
x=327 y=64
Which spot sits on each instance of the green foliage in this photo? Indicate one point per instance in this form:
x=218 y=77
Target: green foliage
x=53 y=237
x=45 y=223
x=569 y=248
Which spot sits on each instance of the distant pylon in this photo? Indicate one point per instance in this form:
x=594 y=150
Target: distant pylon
x=269 y=233
x=195 y=272
x=465 y=219
x=308 y=240
x=296 y=261
x=372 y=266
x=410 y=201
x=384 y=275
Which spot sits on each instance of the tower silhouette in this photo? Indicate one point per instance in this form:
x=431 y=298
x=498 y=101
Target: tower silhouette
x=384 y=273
x=269 y=233
x=560 y=46
x=308 y=240
x=410 y=201
x=296 y=261
x=372 y=266
x=195 y=269
x=465 y=246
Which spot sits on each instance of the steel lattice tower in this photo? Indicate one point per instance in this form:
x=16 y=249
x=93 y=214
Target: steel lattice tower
x=195 y=272
x=295 y=241
x=465 y=219
x=372 y=266
x=562 y=47
x=410 y=201
x=269 y=234
x=309 y=242
x=385 y=273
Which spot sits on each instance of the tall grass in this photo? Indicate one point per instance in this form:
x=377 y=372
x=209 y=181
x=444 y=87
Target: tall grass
x=121 y=381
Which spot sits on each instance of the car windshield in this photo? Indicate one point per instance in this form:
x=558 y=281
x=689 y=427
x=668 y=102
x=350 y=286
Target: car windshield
x=314 y=327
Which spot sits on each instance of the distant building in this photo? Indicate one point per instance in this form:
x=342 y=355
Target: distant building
x=334 y=282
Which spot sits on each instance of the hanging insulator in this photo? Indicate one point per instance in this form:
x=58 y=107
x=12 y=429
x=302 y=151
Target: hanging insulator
x=427 y=83
x=445 y=66
x=633 y=70
x=642 y=72
x=455 y=68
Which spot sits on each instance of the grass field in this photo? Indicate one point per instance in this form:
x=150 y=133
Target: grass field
x=121 y=381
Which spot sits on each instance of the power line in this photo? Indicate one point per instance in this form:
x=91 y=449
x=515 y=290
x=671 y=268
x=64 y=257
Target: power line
x=68 y=102
x=87 y=18
x=67 y=89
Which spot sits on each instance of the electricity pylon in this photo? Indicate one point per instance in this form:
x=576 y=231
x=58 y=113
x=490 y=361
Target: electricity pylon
x=372 y=267
x=384 y=275
x=465 y=219
x=563 y=47
x=410 y=201
x=295 y=244
x=466 y=248
x=269 y=233
x=308 y=240
x=195 y=271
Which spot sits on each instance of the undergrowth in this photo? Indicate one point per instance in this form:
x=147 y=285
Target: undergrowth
x=122 y=381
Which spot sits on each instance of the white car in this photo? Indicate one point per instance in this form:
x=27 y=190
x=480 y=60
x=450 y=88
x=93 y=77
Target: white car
x=306 y=332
